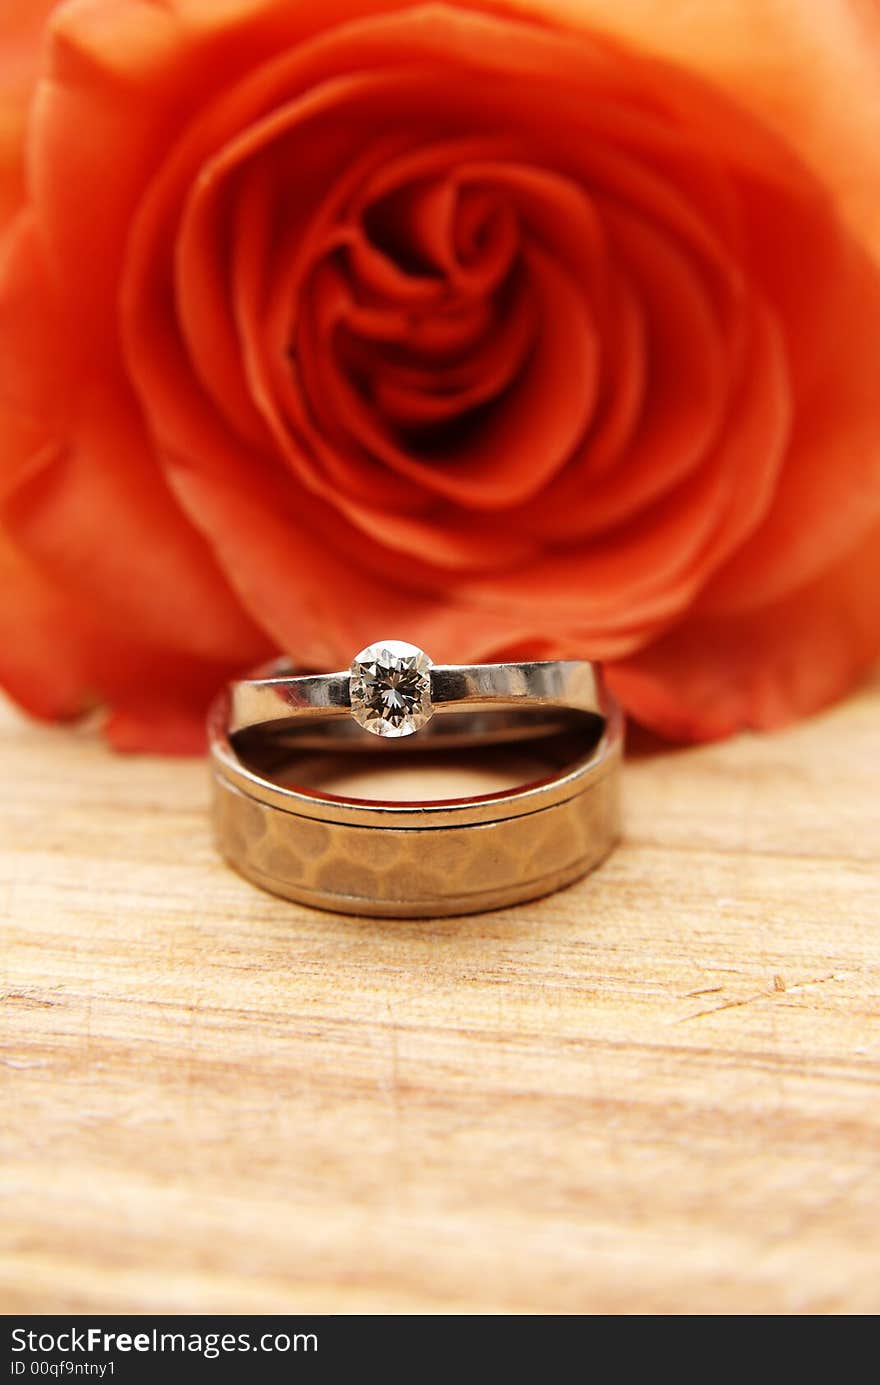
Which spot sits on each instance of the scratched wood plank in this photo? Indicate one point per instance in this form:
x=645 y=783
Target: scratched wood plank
x=656 y=1092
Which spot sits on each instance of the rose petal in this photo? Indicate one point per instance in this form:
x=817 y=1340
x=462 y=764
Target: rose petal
x=685 y=398
x=76 y=477
x=773 y=57
x=57 y=661
x=21 y=34
x=829 y=489
x=47 y=650
x=710 y=677
x=644 y=574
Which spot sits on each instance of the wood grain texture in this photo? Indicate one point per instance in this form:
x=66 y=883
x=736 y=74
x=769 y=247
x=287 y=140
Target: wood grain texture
x=658 y=1091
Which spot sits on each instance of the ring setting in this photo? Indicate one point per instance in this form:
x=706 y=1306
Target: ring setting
x=390 y=688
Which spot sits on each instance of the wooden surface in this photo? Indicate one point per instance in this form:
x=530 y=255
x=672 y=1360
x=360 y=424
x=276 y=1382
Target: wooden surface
x=657 y=1092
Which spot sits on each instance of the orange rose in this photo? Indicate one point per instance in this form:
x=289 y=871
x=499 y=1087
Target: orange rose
x=553 y=333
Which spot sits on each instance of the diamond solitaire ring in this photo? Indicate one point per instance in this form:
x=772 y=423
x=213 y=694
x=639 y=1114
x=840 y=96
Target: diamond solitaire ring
x=393 y=689
x=292 y=752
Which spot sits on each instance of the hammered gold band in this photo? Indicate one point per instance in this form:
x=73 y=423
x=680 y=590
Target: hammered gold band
x=417 y=859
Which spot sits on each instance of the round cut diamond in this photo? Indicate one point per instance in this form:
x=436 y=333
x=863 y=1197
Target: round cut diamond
x=391 y=688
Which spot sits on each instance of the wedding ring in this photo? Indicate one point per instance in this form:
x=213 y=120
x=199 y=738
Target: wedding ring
x=280 y=742
x=393 y=689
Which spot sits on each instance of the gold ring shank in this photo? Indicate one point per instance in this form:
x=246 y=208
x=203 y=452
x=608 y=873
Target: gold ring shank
x=417 y=859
